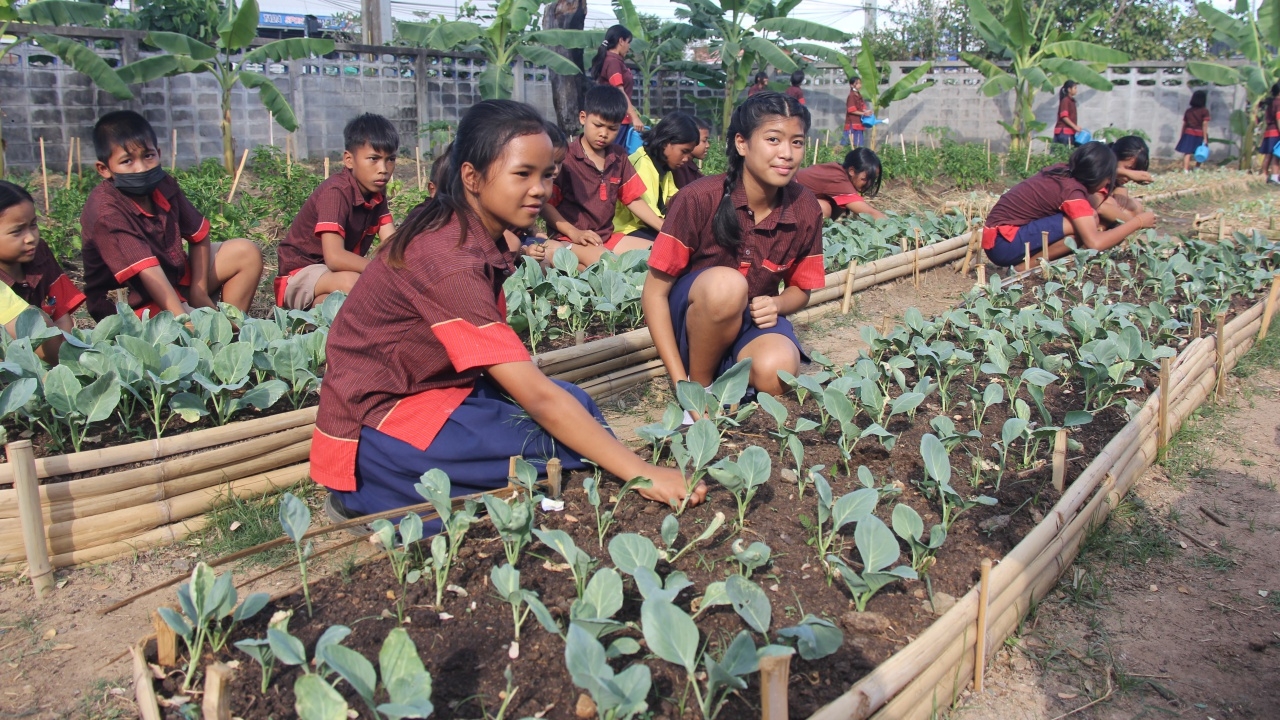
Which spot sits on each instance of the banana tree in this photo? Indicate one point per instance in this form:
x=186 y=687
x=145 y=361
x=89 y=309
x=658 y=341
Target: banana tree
x=1251 y=37
x=757 y=32
x=511 y=34
x=906 y=86
x=77 y=55
x=653 y=52
x=1040 y=59
x=237 y=30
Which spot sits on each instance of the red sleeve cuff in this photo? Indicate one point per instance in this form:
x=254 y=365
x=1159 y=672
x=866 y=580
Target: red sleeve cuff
x=616 y=80
x=469 y=346
x=63 y=298
x=333 y=461
x=1064 y=113
x=668 y=255
x=843 y=200
x=384 y=220
x=1077 y=208
x=202 y=233
x=808 y=274
x=331 y=227
x=134 y=269
x=556 y=196
x=632 y=190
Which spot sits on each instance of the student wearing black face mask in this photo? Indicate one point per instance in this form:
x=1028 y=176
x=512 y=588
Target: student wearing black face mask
x=133 y=226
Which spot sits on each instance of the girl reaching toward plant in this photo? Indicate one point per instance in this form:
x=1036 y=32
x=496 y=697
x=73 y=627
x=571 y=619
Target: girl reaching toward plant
x=667 y=148
x=424 y=371
x=842 y=188
x=712 y=295
x=1132 y=160
x=1056 y=201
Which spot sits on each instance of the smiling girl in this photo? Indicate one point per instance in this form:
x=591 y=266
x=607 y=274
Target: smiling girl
x=712 y=295
x=424 y=371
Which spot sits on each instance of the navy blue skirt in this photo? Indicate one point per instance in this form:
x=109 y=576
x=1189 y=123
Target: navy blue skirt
x=1187 y=144
x=1268 y=145
x=1008 y=253
x=678 y=302
x=1068 y=139
x=474 y=448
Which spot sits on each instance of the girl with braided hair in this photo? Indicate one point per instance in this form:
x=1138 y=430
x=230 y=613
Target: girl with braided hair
x=728 y=244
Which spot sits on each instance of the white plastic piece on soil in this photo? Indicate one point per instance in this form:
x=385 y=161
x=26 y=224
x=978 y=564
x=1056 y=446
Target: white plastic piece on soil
x=549 y=505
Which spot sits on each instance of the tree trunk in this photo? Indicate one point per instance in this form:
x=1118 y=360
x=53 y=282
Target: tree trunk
x=567 y=90
x=228 y=150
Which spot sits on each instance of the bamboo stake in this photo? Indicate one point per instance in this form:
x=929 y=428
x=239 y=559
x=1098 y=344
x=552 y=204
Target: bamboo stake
x=980 y=640
x=79 y=159
x=271 y=133
x=915 y=261
x=554 y=478
x=1165 y=391
x=417 y=165
x=288 y=155
x=988 y=154
x=975 y=239
x=1196 y=329
x=902 y=141
x=1270 y=308
x=71 y=156
x=1027 y=167
x=173 y=150
x=126 y=548
x=847 y=301
x=166 y=641
x=1060 y=459
x=24 y=464
x=216 y=704
x=982 y=275
x=326 y=168
x=1221 y=344
x=1026 y=258
x=1044 y=252
x=240 y=170
x=143 y=691
x=775 y=676
x=902 y=242
x=44 y=176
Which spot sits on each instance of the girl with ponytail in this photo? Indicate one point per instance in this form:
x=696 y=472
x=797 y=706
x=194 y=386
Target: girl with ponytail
x=1269 y=107
x=1064 y=131
x=728 y=243
x=610 y=68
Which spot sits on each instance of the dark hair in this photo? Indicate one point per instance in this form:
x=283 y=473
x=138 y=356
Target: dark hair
x=797 y=77
x=865 y=160
x=674 y=129
x=746 y=118
x=372 y=130
x=1199 y=98
x=762 y=76
x=440 y=167
x=558 y=139
x=11 y=195
x=1275 y=90
x=1065 y=87
x=702 y=124
x=612 y=37
x=853 y=79
x=1092 y=165
x=1132 y=146
x=483 y=135
x=607 y=102
x=122 y=128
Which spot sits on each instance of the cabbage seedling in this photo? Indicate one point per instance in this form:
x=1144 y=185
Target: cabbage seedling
x=660 y=433
x=909 y=526
x=693 y=453
x=834 y=515
x=670 y=531
x=750 y=557
x=295 y=518
x=506 y=582
x=398 y=554
x=207 y=601
x=404 y=678
x=617 y=696
x=435 y=487
x=815 y=638
x=580 y=563
x=744 y=477
x=878 y=550
x=605 y=518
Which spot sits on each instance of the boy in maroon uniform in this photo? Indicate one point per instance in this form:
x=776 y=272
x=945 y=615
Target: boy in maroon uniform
x=133 y=226
x=795 y=91
x=595 y=177
x=325 y=249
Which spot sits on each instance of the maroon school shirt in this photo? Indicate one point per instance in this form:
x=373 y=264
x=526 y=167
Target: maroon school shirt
x=1039 y=196
x=1273 y=114
x=614 y=71
x=1193 y=121
x=686 y=174
x=796 y=93
x=410 y=343
x=587 y=195
x=854 y=106
x=830 y=182
x=1066 y=109
x=119 y=240
x=785 y=246
x=337 y=206
x=45 y=285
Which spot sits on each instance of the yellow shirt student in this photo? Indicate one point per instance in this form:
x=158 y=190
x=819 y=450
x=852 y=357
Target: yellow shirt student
x=11 y=306
x=625 y=221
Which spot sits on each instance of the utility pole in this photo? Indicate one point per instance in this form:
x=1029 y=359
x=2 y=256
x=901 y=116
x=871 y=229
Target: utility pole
x=375 y=22
x=869 y=15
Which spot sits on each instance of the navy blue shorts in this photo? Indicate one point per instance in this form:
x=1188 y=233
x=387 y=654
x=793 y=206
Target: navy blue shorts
x=1268 y=145
x=1007 y=253
x=1068 y=139
x=1187 y=144
x=473 y=448
x=854 y=138
x=678 y=302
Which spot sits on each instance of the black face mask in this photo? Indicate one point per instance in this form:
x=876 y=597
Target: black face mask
x=139 y=183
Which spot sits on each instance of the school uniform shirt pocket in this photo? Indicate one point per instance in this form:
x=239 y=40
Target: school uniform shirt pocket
x=609 y=188
x=775 y=268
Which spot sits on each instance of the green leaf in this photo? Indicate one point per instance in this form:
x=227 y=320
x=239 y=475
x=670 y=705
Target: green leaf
x=272 y=99
x=189 y=407
x=179 y=44
x=452 y=35
x=1076 y=418
x=233 y=362
x=670 y=633
x=287 y=648
x=750 y=602
x=795 y=29
x=265 y=395
x=571 y=39
x=251 y=606
x=604 y=592
x=876 y=544
x=703 y=442
x=907 y=523
x=295 y=517
x=87 y=62
x=406 y=680
x=1079 y=72
x=1269 y=22
x=315 y=699
x=937 y=463
x=16 y=394
x=731 y=386
x=584 y=657
x=1017 y=25
x=551 y=60
x=770 y=53
x=1085 y=52
x=61 y=12
x=176 y=622
x=853 y=507
x=242 y=29
x=60 y=389
x=669 y=529
x=289 y=49
x=99 y=398
x=354 y=668
x=815 y=638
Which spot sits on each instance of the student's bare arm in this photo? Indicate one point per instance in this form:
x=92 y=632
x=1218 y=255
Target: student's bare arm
x=199 y=256
x=862 y=207
x=561 y=415
x=386 y=231
x=657 y=315
x=338 y=258
x=1087 y=232
x=158 y=287
x=579 y=237
x=645 y=213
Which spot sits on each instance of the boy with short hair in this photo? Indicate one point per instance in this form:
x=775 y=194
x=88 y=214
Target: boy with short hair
x=691 y=170
x=324 y=251
x=133 y=225
x=795 y=91
x=597 y=175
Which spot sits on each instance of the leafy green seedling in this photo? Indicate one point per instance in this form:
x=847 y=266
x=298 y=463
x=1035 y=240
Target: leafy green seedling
x=260 y=649
x=833 y=515
x=403 y=677
x=295 y=518
x=750 y=602
x=1014 y=428
x=670 y=531
x=514 y=523
x=506 y=582
x=601 y=600
x=605 y=518
x=878 y=550
x=720 y=402
x=636 y=556
x=398 y=554
x=815 y=638
x=436 y=488
x=77 y=407
x=617 y=696
x=660 y=433
x=744 y=477
x=208 y=601
x=693 y=453
x=580 y=563
x=909 y=526
x=993 y=394
x=750 y=557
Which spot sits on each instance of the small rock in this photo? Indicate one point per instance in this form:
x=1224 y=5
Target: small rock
x=789 y=475
x=586 y=707
x=648 y=509
x=918 y=593
x=1037 y=515
x=1184 y=590
x=865 y=622
x=993 y=524
x=1155 y=588
x=182 y=565
x=456 y=590
x=570 y=519
x=942 y=602
x=49 y=634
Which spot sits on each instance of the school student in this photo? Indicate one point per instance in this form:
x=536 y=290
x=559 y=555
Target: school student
x=1269 y=106
x=795 y=91
x=667 y=148
x=610 y=68
x=597 y=176
x=729 y=241
x=690 y=171
x=133 y=226
x=324 y=251
x=1056 y=201
x=855 y=109
x=30 y=273
x=1133 y=157
x=1195 y=128
x=451 y=386
x=532 y=241
x=760 y=84
x=844 y=187
x=1064 y=131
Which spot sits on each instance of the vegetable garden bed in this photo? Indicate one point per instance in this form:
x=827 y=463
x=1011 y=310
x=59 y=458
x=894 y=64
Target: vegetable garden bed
x=959 y=423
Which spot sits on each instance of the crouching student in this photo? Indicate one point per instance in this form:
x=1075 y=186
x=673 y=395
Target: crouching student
x=1132 y=160
x=690 y=171
x=712 y=295
x=844 y=188
x=667 y=148
x=31 y=275
x=596 y=177
x=451 y=386
x=133 y=226
x=531 y=241
x=324 y=251
x=1056 y=201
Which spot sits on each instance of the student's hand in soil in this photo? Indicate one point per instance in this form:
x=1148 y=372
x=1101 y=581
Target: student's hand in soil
x=669 y=488
x=1141 y=177
x=199 y=297
x=587 y=237
x=764 y=311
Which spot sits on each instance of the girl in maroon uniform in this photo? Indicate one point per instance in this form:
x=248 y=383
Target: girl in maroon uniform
x=610 y=68
x=1269 y=107
x=1195 y=128
x=1064 y=131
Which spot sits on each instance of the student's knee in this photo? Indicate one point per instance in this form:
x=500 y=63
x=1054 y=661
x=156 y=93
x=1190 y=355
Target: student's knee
x=720 y=293
x=240 y=255
x=766 y=365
